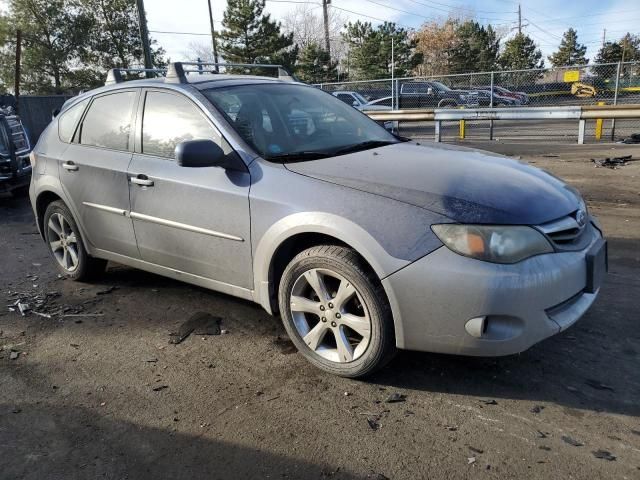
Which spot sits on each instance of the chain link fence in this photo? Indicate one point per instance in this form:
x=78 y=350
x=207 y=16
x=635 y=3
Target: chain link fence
x=606 y=84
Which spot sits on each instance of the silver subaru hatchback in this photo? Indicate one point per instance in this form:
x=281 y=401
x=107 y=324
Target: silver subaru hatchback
x=277 y=192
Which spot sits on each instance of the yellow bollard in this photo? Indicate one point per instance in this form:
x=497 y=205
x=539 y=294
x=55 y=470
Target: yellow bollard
x=462 y=126
x=599 y=125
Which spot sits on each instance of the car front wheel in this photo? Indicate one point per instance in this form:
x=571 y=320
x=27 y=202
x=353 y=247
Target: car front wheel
x=336 y=312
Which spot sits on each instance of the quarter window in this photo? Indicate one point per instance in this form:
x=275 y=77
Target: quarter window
x=108 y=121
x=69 y=120
x=170 y=119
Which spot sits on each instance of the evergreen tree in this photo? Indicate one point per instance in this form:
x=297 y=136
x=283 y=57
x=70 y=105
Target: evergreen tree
x=521 y=53
x=476 y=48
x=250 y=36
x=315 y=65
x=370 y=50
x=570 y=52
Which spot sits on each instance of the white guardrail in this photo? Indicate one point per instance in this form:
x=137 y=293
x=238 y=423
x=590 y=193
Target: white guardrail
x=579 y=113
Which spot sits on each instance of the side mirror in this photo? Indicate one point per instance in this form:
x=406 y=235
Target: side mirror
x=355 y=103
x=205 y=153
x=430 y=91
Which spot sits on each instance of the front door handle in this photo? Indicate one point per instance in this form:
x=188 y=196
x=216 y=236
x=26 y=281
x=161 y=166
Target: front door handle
x=142 y=180
x=70 y=166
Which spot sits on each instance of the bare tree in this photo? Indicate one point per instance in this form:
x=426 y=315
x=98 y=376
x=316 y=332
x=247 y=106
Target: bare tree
x=201 y=50
x=307 y=25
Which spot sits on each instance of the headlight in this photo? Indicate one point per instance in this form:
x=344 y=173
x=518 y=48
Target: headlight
x=497 y=244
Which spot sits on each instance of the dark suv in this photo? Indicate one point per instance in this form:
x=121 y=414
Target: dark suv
x=434 y=94
x=15 y=167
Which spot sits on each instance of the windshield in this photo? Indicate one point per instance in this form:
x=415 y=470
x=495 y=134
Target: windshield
x=441 y=86
x=296 y=122
x=360 y=97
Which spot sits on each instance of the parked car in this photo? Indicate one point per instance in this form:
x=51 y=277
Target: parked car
x=363 y=242
x=351 y=98
x=503 y=96
x=15 y=167
x=380 y=104
x=435 y=94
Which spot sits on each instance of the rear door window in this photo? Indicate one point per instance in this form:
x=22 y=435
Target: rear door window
x=108 y=121
x=170 y=119
x=69 y=120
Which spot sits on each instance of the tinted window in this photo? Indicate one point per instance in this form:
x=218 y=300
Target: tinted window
x=170 y=119
x=346 y=98
x=69 y=120
x=108 y=122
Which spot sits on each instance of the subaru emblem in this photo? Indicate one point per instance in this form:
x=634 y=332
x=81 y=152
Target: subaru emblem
x=581 y=218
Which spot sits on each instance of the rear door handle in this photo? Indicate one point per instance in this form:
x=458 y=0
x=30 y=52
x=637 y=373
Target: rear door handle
x=70 y=166
x=142 y=180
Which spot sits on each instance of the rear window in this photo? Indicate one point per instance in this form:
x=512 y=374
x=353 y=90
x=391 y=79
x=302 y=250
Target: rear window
x=108 y=121
x=69 y=121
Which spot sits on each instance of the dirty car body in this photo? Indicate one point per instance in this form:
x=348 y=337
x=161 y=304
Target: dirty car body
x=473 y=253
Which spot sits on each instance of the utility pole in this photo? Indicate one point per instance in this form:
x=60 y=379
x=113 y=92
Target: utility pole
x=325 y=14
x=604 y=36
x=144 y=36
x=519 y=20
x=213 y=36
x=16 y=84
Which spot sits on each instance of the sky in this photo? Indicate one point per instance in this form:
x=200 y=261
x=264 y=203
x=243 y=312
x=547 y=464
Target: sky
x=543 y=20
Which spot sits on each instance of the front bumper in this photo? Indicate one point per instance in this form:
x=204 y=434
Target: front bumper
x=524 y=303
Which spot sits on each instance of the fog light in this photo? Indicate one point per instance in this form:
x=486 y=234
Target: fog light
x=476 y=326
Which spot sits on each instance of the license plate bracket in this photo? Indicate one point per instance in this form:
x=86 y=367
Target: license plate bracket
x=597 y=265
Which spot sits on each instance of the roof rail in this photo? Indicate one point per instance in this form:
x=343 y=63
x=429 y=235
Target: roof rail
x=115 y=74
x=177 y=73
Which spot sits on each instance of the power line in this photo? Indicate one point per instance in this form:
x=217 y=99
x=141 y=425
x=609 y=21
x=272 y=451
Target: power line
x=179 y=33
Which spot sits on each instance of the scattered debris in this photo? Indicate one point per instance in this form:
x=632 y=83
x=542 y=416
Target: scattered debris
x=14 y=355
x=151 y=360
x=537 y=409
x=604 y=455
x=598 y=385
x=160 y=387
x=451 y=428
x=396 y=397
x=201 y=323
x=542 y=434
x=224 y=332
x=489 y=402
x=475 y=450
x=613 y=162
x=16 y=410
x=545 y=448
x=106 y=291
x=373 y=423
x=571 y=441
x=23 y=308
x=346 y=394
x=635 y=432
x=471 y=460
x=74 y=345
x=572 y=389
x=40 y=314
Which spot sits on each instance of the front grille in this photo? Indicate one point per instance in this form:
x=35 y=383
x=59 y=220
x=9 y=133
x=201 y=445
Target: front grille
x=17 y=134
x=566 y=234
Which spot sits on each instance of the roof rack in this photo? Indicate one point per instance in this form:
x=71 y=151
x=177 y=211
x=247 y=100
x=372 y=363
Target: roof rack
x=115 y=74
x=177 y=73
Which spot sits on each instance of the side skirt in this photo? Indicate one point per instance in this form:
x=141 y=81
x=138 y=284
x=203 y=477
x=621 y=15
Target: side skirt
x=222 y=287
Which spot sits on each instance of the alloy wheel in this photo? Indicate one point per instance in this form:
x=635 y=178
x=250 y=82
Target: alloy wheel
x=63 y=242
x=330 y=315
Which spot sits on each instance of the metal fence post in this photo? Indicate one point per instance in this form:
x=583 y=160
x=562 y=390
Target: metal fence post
x=491 y=105
x=615 y=101
x=582 y=125
x=438 y=138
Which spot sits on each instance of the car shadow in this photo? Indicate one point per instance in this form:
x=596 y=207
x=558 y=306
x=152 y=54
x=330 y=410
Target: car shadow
x=39 y=442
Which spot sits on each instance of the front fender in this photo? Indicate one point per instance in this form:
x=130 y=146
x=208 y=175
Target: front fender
x=324 y=223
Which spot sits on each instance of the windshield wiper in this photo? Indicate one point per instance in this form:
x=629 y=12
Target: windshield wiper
x=303 y=155
x=362 y=146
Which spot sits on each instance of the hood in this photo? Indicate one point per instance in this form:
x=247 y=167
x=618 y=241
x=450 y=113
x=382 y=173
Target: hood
x=466 y=185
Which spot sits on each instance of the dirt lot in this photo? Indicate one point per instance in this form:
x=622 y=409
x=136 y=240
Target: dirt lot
x=105 y=395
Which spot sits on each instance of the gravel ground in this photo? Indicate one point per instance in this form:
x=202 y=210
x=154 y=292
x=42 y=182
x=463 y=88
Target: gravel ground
x=96 y=391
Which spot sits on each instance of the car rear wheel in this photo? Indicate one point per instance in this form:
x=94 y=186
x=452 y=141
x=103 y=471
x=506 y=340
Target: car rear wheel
x=335 y=311
x=65 y=244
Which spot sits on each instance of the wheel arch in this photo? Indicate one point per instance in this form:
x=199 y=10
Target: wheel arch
x=291 y=235
x=43 y=200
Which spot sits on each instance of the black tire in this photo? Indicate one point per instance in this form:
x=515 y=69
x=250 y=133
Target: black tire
x=448 y=104
x=87 y=266
x=348 y=264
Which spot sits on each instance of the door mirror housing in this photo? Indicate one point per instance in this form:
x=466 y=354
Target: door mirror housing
x=206 y=153
x=355 y=103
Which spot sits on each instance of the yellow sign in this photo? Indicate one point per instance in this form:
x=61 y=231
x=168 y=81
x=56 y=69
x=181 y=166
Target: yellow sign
x=571 y=76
